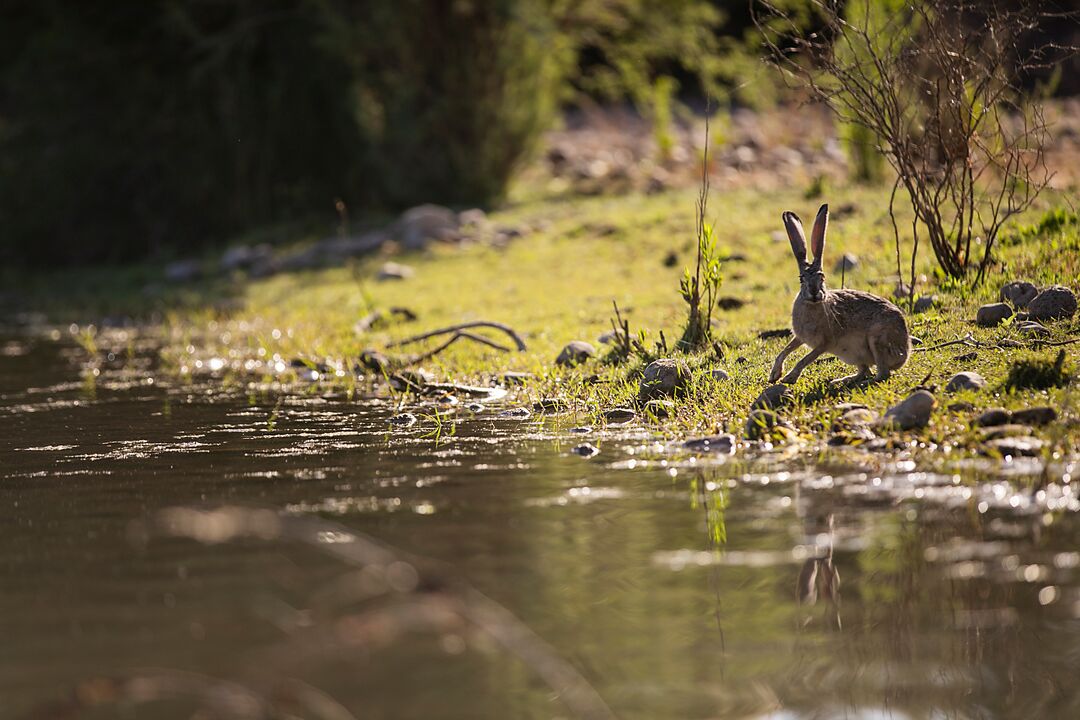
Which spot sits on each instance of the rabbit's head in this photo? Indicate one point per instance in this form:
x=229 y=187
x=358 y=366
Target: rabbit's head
x=811 y=277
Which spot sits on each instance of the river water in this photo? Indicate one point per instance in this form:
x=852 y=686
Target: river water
x=187 y=550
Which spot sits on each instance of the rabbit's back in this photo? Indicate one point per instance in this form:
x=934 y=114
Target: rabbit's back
x=846 y=321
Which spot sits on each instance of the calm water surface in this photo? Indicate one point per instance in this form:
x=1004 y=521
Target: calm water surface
x=139 y=560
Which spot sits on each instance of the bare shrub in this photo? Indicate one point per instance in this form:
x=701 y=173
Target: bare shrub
x=939 y=84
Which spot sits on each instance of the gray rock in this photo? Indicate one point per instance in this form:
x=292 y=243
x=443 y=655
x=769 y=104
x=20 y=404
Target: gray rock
x=846 y=263
x=409 y=379
x=765 y=425
x=1019 y=293
x=426 y=223
x=925 y=303
x=575 y=353
x=665 y=377
x=1007 y=430
x=183 y=271
x=1053 y=303
x=586 y=450
x=659 y=409
x=993 y=314
x=518 y=413
x=855 y=418
x=910 y=413
x=1032 y=329
x=549 y=405
x=618 y=416
x=993 y=417
x=1015 y=446
x=961 y=406
x=719 y=375
x=582 y=430
x=474 y=217
x=394 y=271
x=967 y=380
x=516 y=378
x=403 y=420
x=1041 y=415
x=242 y=257
x=722 y=444
x=607 y=338
x=773 y=397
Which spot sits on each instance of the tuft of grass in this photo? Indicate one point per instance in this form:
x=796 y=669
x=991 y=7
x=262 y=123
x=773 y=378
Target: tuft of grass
x=1036 y=373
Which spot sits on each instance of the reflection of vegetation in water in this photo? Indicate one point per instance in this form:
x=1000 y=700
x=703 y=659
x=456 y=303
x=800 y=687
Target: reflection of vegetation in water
x=709 y=493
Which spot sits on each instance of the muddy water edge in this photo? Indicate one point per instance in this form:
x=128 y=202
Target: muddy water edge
x=154 y=528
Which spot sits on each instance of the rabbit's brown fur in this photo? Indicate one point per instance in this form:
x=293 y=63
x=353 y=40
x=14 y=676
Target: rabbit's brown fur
x=859 y=328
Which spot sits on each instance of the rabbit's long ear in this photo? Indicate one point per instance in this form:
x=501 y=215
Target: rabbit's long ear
x=817 y=235
x=796 y=236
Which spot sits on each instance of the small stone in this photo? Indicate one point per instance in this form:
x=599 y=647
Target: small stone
x=765 y=425
x=473 y=217
x=852 y=436
x=665 y=377
x=475 y=407
x=721 y=444
x=961 y=406
x=607 y=338
x=925 y=303
x=403 y=420
x=846 y=263
x=411 y=379
x=549 y=405
x=993 y=314
x=518 y=413
x=1019 y=293
x=618 y=416
x=420 y=225
x=1032 y=329
x=730 y=303
x=394 y=271
x=719 y=375
x=993 y=417
x=778 y=333
x=575 y=353
x=447 y=400
x=375 y=361
x=183 y=271
x=1054 y=303
x=1006 y=430
x=1041 y=415
x=586 y=450
x=515 y=378
x=773 y=397
x=583 y=430
x=855 y=418
x=659 y=409
x=1015 y=446
x=910 y=413
x=967 y=380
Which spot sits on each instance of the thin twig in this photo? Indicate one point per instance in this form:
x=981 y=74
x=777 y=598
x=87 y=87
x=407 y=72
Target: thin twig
x=463 y=326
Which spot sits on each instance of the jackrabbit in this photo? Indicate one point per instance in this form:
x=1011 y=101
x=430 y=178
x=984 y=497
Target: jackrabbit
x=859 y=328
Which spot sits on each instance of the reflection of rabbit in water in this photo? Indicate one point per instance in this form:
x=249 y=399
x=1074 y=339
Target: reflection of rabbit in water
x=819 y=576
x=859 y=328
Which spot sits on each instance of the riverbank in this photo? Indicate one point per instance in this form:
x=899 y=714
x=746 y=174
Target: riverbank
x=553 y=268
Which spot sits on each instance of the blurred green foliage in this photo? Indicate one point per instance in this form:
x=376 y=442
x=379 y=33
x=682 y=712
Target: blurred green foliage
x=141 y=128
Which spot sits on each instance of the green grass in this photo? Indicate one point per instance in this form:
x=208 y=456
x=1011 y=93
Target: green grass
x=557 y=283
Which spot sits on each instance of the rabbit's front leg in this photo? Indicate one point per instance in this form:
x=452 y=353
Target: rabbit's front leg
x=796 y=371
x=778 y=365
